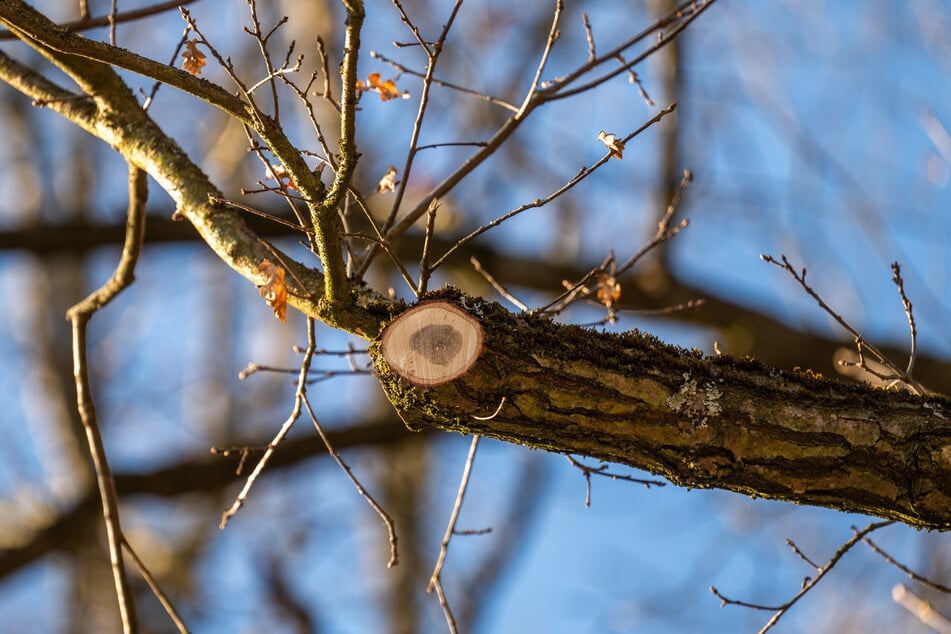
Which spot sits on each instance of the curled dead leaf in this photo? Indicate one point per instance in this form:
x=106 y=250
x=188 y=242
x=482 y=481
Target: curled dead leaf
x=613 y=143
x=194 y=58
x=274 y=291
x=387 y=89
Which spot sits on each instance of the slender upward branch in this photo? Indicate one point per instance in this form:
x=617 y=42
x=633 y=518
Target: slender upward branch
x=79 y=315
x=324 y=215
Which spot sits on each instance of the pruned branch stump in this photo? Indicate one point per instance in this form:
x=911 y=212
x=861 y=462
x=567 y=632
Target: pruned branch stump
x=432 y=343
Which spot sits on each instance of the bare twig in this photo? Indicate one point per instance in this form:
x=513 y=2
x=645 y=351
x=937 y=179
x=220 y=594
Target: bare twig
x=156 y=590
x=88 y=22
x=387 y=520
x=433 y=52
x=445 y=84
x=111 y=18
x=592 y=54
x=905 y=569
x=79 y=316
x=809 y=583
x=251 y=210
x=801 y=554
x=424 y=269
x=664 y=230
x=602 y=470
x=553 y=34
x=583 y=173
x=434 y=579
x=897 y=374
x=573 y=291
x=243 y=452
x=633 y=78
x=906 y=304
x=498 y=287
x=436 y=584
x=681 y=17
x=281 y=434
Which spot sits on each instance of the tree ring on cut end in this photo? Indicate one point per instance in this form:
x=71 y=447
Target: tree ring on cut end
x=432 y=343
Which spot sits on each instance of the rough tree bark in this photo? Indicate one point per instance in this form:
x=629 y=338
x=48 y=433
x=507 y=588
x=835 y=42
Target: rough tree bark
x=700 y=422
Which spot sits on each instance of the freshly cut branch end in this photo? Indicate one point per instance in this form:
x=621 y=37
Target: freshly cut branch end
x=432 y=343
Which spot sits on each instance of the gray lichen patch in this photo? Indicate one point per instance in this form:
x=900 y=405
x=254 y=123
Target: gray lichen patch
x=697 y=403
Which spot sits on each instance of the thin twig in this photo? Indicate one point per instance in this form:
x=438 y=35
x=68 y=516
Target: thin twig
x=801 y=554
x=582 y=174
x=452 y=144
x=218 y=200
x=682 y=16
x=664 y=230
x=909 y=314
x=572 y=291
x=445 y=84
x=633 y=78
x=432 y=53
x=79 y=315
x=905 y=569
x=602 y=471
x=113 y=12
x=553 y=34
x=463 y=485
x=589 y=35
x=861 y=345
x=444 y=604
x=281 y=434
x=387 y=520
x=424 y=269
x=809 y=584
x=496 y=285
x=88 y=22
x=156 y=590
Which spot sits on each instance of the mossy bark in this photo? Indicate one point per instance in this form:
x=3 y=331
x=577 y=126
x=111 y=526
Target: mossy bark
x=699 y=422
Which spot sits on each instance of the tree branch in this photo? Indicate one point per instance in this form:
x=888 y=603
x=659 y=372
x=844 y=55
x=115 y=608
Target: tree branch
x=79 y=315
x=700 y=422
x=113 y=115
x=325 y=214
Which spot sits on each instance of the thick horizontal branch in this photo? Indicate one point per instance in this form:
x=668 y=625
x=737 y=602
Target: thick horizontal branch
x=700 y=422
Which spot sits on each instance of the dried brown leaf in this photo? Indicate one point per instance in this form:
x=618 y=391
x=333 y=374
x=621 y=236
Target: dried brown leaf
x=386 y=89
x=274 y=291
x=194 y=58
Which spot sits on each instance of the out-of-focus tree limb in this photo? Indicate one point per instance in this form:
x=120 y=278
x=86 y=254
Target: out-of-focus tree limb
x=756 y=333
x=205 y=474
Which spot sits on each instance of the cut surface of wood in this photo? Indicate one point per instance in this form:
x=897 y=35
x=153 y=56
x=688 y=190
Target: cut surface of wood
x=432 y=343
